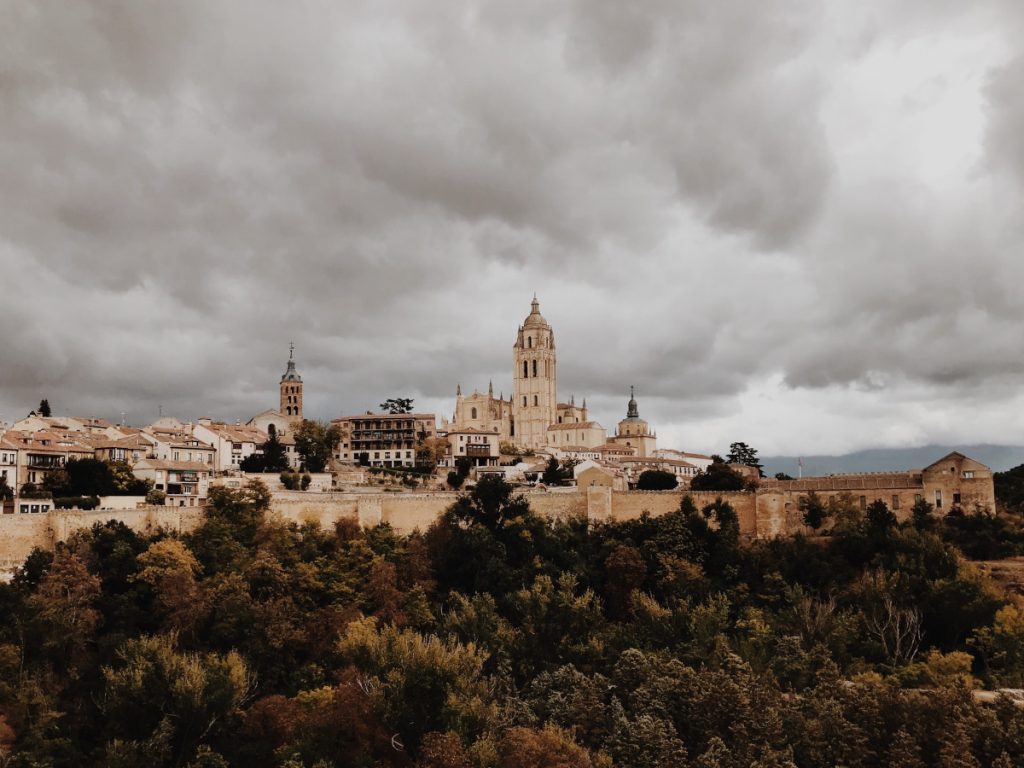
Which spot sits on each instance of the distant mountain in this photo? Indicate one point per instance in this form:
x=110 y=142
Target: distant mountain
x=999 y=457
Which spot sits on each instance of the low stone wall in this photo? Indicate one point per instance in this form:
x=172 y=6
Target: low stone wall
x=764 y=514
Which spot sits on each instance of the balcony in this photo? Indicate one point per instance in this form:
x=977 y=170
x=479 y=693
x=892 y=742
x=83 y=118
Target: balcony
x=45 y=461
x=479 y=451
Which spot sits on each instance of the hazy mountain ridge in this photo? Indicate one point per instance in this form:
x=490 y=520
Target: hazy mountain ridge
x=999 y=457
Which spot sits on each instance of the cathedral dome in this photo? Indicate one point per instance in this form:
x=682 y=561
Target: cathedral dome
x=535 y=319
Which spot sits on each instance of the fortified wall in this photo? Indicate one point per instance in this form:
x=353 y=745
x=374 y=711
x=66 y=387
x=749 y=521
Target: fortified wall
x=772 y=510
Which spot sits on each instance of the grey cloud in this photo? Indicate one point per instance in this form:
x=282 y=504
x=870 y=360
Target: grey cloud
x=189 y=186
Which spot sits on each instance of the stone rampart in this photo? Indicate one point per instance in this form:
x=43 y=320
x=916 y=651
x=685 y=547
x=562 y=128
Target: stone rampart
x=771 y=511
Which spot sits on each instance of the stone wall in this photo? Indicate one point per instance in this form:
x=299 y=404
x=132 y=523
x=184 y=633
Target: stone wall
x=771 y=511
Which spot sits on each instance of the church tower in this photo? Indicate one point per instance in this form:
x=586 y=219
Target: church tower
x=534 y=403
x=634 y=432
x=291 y=390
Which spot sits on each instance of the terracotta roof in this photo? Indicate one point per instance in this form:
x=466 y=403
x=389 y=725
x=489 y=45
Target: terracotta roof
x=472 y=431
x=191 y=466
x=578 y=425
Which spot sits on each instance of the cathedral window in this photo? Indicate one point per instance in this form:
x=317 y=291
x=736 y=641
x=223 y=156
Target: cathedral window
x=473 y=413
x=535 y=400
x=526 y=370
x=524 y=401
x=529 y=341
x=535 y=369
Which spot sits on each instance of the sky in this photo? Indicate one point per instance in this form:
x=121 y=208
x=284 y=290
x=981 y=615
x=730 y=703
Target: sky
x=796 y=224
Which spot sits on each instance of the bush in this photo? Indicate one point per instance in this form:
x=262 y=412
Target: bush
x=77 y=502
x=656 y=480
x=156 y=498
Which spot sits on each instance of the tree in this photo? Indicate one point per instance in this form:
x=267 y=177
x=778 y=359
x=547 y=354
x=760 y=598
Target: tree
x=44 y=408
x=741 y=453
x=814 y=509
x=6 y=492
x=718 y=476
x=156 y=497
x=314 y=442
x=156 y=696
x=656 y=480
x=274 y=457
x=556 y=473
x=430 y=451
x=880 y=518
x=397 y=405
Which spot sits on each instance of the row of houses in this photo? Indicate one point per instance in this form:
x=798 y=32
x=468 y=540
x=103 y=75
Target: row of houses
x=178 y=457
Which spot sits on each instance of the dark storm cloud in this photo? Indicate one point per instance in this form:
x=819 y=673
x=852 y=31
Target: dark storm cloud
x=704 y=195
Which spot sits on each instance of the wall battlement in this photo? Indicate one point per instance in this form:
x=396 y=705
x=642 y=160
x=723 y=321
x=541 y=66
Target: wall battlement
x=772 y=510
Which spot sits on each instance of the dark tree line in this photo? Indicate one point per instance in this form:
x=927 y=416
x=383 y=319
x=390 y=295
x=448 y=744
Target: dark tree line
x=500 y=639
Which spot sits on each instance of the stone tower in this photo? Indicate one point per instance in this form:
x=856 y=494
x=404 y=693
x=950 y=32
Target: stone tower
x=534 y=403
x=634 y=431
x=291 y=390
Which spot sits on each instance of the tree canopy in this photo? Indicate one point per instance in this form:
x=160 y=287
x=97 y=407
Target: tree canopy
x=397 y=405
x=497 y=638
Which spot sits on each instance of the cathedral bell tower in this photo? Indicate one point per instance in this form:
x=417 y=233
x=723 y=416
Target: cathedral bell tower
x=291 y=390
x=534 y=402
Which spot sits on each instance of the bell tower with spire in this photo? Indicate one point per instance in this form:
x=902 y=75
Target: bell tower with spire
x=534 y=375
x=634 y=432
x=291 y=390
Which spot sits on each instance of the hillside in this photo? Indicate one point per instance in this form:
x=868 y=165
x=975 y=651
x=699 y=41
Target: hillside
x=999 y=457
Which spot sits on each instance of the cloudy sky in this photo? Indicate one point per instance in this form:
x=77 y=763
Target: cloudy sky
x=797 y=224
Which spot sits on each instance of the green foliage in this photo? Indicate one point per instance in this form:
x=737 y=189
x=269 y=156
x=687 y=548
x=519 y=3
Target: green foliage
x=397 y=405
x=815 y=511
x=156 y=497
x=656 y=480
x=499 y=638
x=741 y=453
x=6 y=492
x=76 y=502
x=93 y=477
x=294 y=481
x=1009 y=488
x=557 y=473
x=314 y=442
x=718 y=476
x=44 y=408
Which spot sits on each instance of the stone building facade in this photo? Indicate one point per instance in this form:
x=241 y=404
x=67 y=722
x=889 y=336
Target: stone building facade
x=291 y=391
x=534 y=398
x=532 y=418
x=634 y=432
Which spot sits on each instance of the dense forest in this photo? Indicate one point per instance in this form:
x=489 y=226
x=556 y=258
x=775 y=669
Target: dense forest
x=497 y=638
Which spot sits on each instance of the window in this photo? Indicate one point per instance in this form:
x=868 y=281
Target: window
x=918 y=498
x=956 y=498
x=863 y=502
x=529 y=341
x=895 y=502
x=535 y=402
x=526 y=370
x=938 y=499
x=524 y=397
x=473 y=414
x=535 y=369
x=968 y=474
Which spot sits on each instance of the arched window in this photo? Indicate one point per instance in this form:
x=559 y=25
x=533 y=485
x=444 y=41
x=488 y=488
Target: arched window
x=529 y=341
x=526 y=370
x=524 y=401
x=535 y=400
x=535 y=369
x=473 y=413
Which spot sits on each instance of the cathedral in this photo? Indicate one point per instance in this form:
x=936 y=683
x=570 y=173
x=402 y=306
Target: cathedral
x=532 y=418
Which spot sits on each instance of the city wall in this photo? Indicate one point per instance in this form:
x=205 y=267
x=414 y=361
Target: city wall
x=761 y=514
